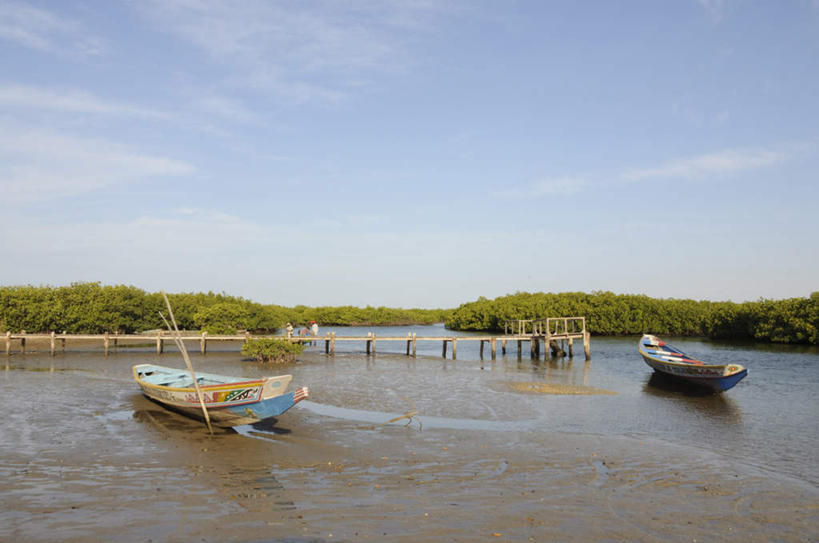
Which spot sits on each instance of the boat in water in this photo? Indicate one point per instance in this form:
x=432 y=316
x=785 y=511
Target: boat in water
x=667 y=360
x=230 y=401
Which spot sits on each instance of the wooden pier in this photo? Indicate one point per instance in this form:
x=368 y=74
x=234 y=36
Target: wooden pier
x=552 y=333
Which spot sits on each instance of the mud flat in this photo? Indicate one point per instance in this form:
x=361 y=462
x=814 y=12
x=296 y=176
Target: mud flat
x=86 y=457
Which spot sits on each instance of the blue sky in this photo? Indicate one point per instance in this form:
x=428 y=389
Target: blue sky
x=412 y=153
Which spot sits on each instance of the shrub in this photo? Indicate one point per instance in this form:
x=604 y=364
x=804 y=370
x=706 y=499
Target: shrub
x=278 y=351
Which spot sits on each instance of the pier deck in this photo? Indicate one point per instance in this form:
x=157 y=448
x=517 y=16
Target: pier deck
x=546 y=331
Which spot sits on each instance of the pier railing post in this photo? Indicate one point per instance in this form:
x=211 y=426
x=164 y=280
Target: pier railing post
x=105 y=342
x=333 y=344
x=8 y=343
x=494 y=346
x=53 y=344
x=203 y=342
x=414 y=344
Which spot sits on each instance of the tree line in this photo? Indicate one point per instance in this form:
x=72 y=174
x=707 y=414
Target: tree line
x=93 y=308
x=792 y=320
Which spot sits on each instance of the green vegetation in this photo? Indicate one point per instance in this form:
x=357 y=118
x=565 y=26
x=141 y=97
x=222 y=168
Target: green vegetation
x=92 y=308
x=794 y=320
x=272 y=350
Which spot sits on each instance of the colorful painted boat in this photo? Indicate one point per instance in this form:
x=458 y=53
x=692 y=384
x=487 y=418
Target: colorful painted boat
x=667 y=360
x=230 y=401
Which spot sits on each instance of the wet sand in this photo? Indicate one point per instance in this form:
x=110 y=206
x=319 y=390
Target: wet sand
x=86 y=457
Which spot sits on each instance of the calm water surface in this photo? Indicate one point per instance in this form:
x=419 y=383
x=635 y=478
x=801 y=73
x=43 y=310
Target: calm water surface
x=770 y=419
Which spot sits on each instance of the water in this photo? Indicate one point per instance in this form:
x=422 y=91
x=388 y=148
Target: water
x=77 y=436
x=770 y=419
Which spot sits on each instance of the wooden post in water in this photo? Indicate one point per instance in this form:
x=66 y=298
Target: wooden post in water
x=203 y=343
x=481 y=349
x=369 y=342
x=159 y=342
x=53 y=344
x=23 y=343
x=571 y=350
x=494 y=346
x=105 y=342
x=443 y=353
x=503 y=346
x=62 y=340
x=373 y=343
x=333 y=344
x=409 y=342
x=454 y=348
x=116 y=341
x=587 y=345
x=8 y=343
x=414 y=344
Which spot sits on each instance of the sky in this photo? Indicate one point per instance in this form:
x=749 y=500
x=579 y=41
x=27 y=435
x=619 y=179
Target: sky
x=412 y=153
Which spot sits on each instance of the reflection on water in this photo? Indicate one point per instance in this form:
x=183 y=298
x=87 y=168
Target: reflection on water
x=701 y=401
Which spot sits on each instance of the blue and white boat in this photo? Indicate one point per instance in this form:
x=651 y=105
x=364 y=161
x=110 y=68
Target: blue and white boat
x=667 y=360
x=230 y=401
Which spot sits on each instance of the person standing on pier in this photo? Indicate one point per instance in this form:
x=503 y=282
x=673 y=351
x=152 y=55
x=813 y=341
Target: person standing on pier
x=313 y=328
x=289 y=329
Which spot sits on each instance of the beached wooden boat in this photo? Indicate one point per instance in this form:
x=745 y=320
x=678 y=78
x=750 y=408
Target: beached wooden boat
x=230 y=401
x=667 y=360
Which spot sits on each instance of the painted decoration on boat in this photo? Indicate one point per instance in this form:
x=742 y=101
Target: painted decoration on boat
x=230 y=401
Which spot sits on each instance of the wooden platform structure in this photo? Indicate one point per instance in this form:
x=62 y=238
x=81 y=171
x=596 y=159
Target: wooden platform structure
x=548 y=331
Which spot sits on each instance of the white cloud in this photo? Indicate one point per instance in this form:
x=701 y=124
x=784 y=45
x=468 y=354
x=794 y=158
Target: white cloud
x=39 y=165
x=546 y=187
x=44 y=30
x=69 y=101
x=721 y=163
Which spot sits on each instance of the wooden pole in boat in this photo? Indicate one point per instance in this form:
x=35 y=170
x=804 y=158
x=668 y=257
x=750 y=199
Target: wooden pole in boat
x=179 y=343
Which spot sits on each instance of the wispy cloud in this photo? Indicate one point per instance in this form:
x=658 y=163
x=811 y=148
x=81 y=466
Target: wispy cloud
x=714 y=8
x=546 y=187
x=69 y=101
x=721 y=163
x=226 y=108
x=302 y=51
x=45 y=30
x=39 y=165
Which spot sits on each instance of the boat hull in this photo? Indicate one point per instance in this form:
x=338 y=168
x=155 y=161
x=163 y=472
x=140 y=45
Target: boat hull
x=677 y=365
x=229 y=401
x=705 y=377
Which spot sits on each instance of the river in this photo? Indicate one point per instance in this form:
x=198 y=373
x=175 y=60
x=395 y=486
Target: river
x=485 y=456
